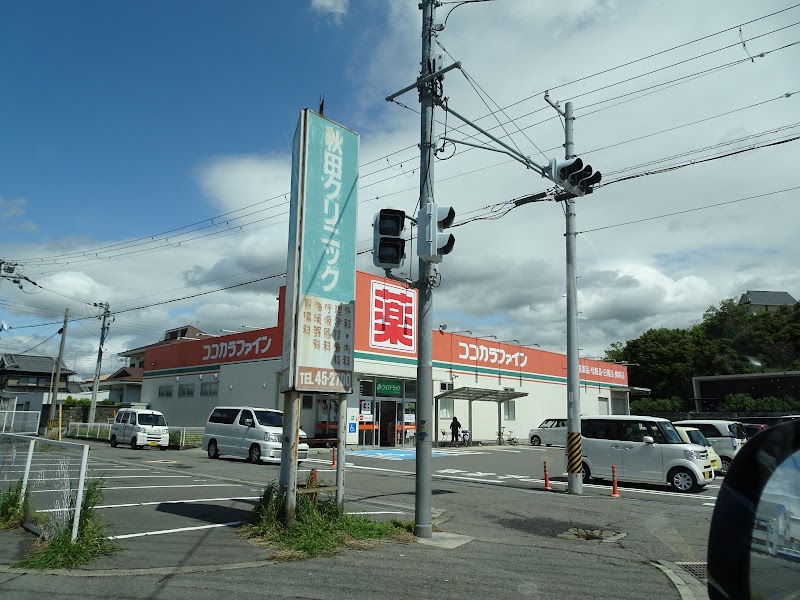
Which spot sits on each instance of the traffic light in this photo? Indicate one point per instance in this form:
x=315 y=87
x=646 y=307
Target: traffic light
x=433 y=243
x=388 y=245
x=574 y=176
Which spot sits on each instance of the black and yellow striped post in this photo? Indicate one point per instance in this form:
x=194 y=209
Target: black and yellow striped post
x=574 y=454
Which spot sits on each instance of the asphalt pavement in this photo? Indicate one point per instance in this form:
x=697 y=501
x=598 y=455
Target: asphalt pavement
x=498 y=533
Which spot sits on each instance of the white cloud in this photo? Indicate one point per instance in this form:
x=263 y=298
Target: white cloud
x=12 y=208
x=505 y=277
x=336 y=8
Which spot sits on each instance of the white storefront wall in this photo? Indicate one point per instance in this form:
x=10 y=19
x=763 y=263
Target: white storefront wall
x=256 y=384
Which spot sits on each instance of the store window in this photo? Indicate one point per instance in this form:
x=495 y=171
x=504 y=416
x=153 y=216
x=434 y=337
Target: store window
x=509 y=410
x=165 y=391
x=209 y=389
x=446 y=408
x=366 y=387
x=186 y=390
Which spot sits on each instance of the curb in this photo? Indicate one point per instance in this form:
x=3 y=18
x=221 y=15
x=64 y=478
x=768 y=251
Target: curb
x=688 y=587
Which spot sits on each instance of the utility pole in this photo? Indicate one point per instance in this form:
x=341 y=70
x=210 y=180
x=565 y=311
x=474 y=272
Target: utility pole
x=422 y=505
x=574 y=451
x=57 y=378
x=103 y=333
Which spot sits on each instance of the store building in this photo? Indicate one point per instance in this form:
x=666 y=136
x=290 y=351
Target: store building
x=483 y=382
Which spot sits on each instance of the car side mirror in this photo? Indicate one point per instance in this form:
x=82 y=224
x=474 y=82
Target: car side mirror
x=754 y=541
x=648 y=439
x=248 y=423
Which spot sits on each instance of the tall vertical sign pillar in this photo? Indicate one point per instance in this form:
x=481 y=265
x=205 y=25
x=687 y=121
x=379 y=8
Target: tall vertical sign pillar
x=422 y=506
x=319 y=321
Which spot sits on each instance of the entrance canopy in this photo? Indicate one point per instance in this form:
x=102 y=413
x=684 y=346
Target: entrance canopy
x=471 y=395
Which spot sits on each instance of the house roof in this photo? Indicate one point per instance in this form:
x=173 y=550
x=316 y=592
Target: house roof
x=763 y=298
x=24 y=363
x=171 y=336
x=127 y=374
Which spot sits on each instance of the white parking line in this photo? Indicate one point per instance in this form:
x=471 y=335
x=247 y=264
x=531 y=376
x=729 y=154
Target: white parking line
x=377 y=512
x=709 y=504
x=132 y=504
x=135 y=476
x=147 y=487
x=178 y=530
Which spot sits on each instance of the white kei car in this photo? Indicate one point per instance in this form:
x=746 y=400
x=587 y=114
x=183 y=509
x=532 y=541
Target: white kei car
x=552 y=432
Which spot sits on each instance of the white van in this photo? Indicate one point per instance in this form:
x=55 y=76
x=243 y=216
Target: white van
x=247 y=431
x=726 y=437
x=643 y=449
x=139 y=427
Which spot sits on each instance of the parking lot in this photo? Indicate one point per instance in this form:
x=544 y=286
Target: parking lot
x=176 y=493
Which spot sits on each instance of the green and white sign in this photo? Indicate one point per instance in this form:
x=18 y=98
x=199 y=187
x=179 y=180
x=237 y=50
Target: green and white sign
x=318 y=340
x=388 y=388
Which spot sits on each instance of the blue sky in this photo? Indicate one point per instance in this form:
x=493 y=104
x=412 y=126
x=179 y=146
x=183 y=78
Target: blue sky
x=120 y=121
x=115 y=104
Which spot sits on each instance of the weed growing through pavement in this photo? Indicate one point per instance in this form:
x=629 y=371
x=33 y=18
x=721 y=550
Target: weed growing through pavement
x=12 y=507
x=59 y=552
x=320 y=528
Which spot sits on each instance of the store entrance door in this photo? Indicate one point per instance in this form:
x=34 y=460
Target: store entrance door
x=387 y=422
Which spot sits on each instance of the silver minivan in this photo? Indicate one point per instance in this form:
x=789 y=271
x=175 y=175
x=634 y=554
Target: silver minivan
x=726 y=437
x=643 y=449
x=250 y=432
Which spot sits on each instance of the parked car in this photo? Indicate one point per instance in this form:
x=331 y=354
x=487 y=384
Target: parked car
x=550 y=432
x=250 y=432
x=139 y=428
x=752 y=429
x=643 y=449
x=692 y=435
x=726 y=437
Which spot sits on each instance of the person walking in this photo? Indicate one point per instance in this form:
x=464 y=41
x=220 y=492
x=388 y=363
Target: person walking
x=455 y=426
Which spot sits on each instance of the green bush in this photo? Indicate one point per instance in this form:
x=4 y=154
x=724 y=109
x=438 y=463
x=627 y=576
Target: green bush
x=647 y=406
x=746 y=403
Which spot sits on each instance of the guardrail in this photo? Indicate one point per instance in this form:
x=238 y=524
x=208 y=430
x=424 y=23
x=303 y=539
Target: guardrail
x=179 y=437
x=186 y=437
x=94 y=431
x=53 y=475
x=19 y=421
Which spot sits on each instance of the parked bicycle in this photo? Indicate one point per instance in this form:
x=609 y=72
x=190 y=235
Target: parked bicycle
x=510 y=439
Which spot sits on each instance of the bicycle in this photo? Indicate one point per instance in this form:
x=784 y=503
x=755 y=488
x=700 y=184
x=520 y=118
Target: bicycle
x=509 y=438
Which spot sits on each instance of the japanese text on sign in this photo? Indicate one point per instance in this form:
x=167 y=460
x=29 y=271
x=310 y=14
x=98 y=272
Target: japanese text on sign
x=236 y=348
x=392 y=317
x=332 y=169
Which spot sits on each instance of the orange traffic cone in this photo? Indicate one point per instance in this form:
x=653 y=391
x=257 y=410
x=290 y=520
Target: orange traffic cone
x=333 y=456
x=614 y=491
x=547 y=479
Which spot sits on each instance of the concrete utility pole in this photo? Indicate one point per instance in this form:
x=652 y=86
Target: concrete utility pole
x=103 y=333
x=57 y=378
x=574 y=451
x=422 y=505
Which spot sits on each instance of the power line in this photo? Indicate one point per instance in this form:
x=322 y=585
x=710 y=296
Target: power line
x=689 y=210
x=151 y=238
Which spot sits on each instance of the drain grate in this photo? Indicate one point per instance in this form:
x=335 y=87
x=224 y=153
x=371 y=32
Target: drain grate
x=698 y=570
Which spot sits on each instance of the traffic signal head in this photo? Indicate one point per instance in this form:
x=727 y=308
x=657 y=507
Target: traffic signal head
x=433 y=243
x=388 y=245
x=573 y=176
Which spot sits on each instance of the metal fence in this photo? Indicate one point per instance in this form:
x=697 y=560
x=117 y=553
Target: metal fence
x=186 y=437
x=94 y=431
x=53 y=475
x=19 y=421
x=179 y=437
